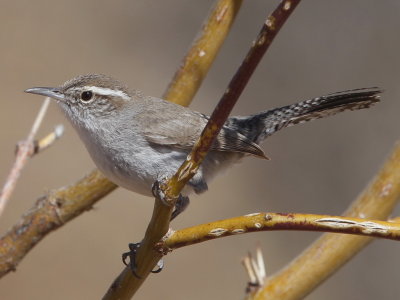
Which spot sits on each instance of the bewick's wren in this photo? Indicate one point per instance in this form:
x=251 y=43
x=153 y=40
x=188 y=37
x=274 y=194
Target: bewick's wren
x=135 y=139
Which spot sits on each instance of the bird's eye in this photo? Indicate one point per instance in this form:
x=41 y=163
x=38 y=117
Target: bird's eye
x=86 y=96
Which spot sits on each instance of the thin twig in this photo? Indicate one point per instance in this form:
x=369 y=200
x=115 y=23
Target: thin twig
x=25 y=150
x=125 y=285
x=48 y=140
x=255 y=269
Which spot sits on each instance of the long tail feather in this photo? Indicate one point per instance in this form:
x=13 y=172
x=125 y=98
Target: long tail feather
x=260 y=126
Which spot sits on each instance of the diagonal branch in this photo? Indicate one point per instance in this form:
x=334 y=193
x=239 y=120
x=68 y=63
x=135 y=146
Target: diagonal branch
x=201 y=55
x=49 y=213
x=125 y=285
x=235 y=88
x=53 y=210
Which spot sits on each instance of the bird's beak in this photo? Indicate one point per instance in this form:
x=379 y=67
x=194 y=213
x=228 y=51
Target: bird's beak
x=54 y=93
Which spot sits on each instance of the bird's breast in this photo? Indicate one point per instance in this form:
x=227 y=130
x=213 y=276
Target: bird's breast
x=129 y=161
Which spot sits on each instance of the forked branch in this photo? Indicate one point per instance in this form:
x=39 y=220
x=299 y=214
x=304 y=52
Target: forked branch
x=25 y=149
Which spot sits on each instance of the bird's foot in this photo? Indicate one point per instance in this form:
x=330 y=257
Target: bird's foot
x=180 y=205
x=133 y=248
x=158 y=192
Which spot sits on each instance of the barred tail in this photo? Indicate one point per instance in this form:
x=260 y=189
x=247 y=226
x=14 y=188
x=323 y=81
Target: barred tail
x=260 y=126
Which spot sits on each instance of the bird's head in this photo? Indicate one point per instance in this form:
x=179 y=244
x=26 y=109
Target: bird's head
x=87 y=97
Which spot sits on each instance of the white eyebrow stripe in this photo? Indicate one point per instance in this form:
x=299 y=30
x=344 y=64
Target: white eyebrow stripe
x=107 y=92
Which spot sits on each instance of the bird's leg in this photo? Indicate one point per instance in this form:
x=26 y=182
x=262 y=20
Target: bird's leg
x=181 y=204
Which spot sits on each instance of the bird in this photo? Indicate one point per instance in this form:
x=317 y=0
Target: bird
x=136 y=140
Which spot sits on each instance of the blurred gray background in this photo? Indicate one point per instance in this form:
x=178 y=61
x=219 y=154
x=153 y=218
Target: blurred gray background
x=320 y=167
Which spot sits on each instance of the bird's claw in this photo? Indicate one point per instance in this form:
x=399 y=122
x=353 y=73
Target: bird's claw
x=133 y=247
x=181 y=204
x=132 y=258
x=158 y=192
x=160 y=265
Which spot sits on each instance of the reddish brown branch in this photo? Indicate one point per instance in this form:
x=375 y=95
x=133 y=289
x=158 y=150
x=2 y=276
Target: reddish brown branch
x=126 y=285
x=269 y=30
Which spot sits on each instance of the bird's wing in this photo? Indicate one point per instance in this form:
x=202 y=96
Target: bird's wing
x=180 y=127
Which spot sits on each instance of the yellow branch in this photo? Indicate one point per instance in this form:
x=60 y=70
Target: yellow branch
x=49 y=213
x=201 y=55
x=266 y=221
